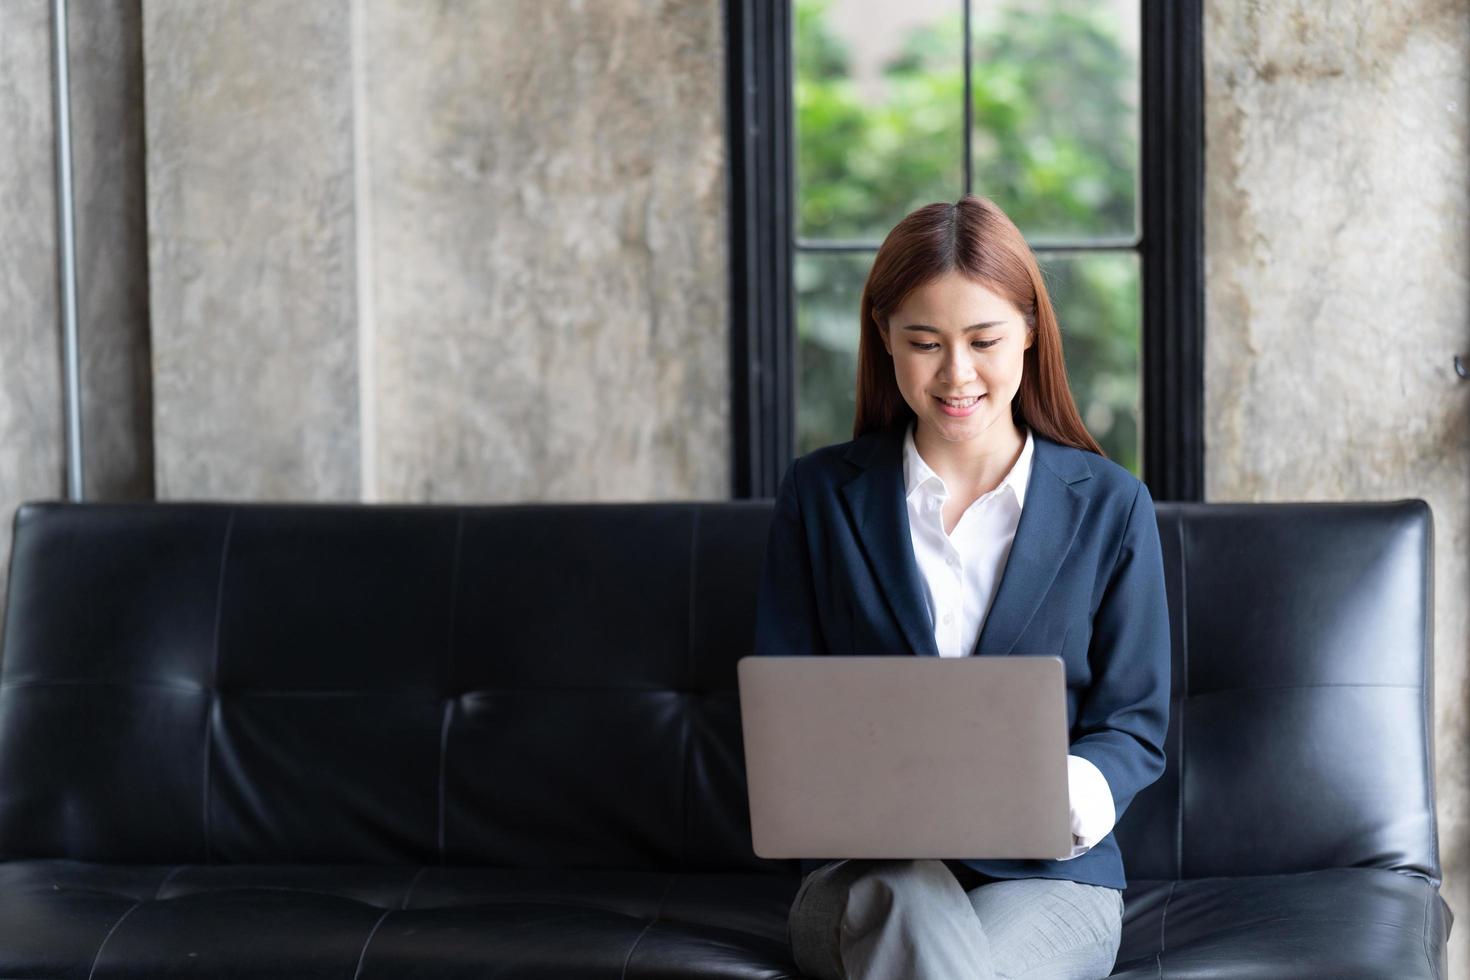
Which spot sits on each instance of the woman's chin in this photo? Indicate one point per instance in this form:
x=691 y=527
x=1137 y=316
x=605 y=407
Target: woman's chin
x=957 y=429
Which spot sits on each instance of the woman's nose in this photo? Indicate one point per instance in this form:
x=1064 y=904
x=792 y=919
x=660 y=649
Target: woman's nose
x=957 y=367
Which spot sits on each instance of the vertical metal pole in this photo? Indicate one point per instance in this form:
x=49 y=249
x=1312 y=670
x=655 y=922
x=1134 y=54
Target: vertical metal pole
x=66 y=237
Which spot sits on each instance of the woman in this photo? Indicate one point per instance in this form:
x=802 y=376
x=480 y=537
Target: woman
x=973 y=514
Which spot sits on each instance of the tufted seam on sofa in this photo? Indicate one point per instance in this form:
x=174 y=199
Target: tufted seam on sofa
x=93 y=682
x=1315 y=685
x=448 y=682
x=166 y=879
x=102 y=945
x=657 y=914
x=688 y=694
x=453 y=598
x=412 y=884
x=1429 y=893
x=443 y=763
x=213 y=684
x=111 y=893
x=1183 y=699
x=1426 y=679
x=1164 y=918
x=223 y=889
x=362 y=956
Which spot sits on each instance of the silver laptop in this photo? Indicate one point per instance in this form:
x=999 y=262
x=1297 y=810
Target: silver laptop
x=906 y=757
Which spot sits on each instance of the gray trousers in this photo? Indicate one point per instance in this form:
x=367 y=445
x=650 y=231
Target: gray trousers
x=941 y=920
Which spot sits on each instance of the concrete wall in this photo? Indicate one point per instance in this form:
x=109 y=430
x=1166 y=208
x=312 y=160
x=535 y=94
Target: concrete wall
x=1337 y=177
x=477 y=254
x=251 y=246
x=547 y=187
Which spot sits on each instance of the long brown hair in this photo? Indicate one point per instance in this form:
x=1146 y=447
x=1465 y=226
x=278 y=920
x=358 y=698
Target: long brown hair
x=974 y=237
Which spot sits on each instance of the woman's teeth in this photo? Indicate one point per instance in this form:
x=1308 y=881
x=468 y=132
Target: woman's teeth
x=960 y=402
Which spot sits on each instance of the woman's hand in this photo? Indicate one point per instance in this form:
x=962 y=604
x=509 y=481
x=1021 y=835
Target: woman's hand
x=1091 y=803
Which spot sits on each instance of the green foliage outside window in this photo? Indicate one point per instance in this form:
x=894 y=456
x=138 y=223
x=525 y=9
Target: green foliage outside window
x=1054 y=143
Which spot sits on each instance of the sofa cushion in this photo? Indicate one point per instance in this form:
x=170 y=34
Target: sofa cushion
x=58 y=918
x=1341 y=923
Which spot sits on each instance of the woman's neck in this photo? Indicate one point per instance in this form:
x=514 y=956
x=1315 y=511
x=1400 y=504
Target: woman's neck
x=977 y=465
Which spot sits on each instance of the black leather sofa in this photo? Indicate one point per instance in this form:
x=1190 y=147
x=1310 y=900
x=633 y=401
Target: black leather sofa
x=326 y=740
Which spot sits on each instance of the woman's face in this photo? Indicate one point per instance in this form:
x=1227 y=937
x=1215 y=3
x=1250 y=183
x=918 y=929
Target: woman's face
x=953 y=341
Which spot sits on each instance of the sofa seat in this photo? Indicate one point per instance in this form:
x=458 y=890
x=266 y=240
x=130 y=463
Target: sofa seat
x=59 y=917
x=1342 y=923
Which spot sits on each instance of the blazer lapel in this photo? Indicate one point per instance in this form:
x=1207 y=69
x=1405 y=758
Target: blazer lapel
x=1052 y=513
x=879 y=514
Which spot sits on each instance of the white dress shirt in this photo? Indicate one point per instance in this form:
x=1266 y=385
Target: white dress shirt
x=961 y=570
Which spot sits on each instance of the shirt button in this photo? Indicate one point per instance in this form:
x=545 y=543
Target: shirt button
x=948 y=618
x=953 y=561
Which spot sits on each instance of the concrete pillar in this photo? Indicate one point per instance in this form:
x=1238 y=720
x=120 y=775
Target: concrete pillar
x=1337 y=291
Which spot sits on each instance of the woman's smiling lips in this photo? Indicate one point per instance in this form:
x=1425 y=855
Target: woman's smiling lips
x=959 y=407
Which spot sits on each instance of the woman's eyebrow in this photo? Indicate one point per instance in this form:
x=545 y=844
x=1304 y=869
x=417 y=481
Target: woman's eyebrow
x=973 y=326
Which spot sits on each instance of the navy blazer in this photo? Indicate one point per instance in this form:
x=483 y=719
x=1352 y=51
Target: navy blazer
x=1084 y=581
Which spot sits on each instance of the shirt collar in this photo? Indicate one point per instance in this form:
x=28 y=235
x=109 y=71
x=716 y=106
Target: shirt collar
x=916 y=472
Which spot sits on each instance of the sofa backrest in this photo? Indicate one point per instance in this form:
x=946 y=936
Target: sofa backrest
x=1300 y=727
x=554 y=686
x=506 y=685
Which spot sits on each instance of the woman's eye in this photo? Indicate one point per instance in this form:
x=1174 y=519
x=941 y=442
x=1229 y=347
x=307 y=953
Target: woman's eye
x=978 y=345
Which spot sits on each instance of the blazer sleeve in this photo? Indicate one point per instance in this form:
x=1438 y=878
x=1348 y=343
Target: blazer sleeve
x=786 y=621
x=1124 y=716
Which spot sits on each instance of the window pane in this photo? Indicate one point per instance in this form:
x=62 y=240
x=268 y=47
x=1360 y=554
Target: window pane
x=1055 y=97
x=879 y=112
x=829 y=290
x=1096 y=297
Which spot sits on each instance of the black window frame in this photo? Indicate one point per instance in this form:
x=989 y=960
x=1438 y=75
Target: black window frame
x=1170 y=244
